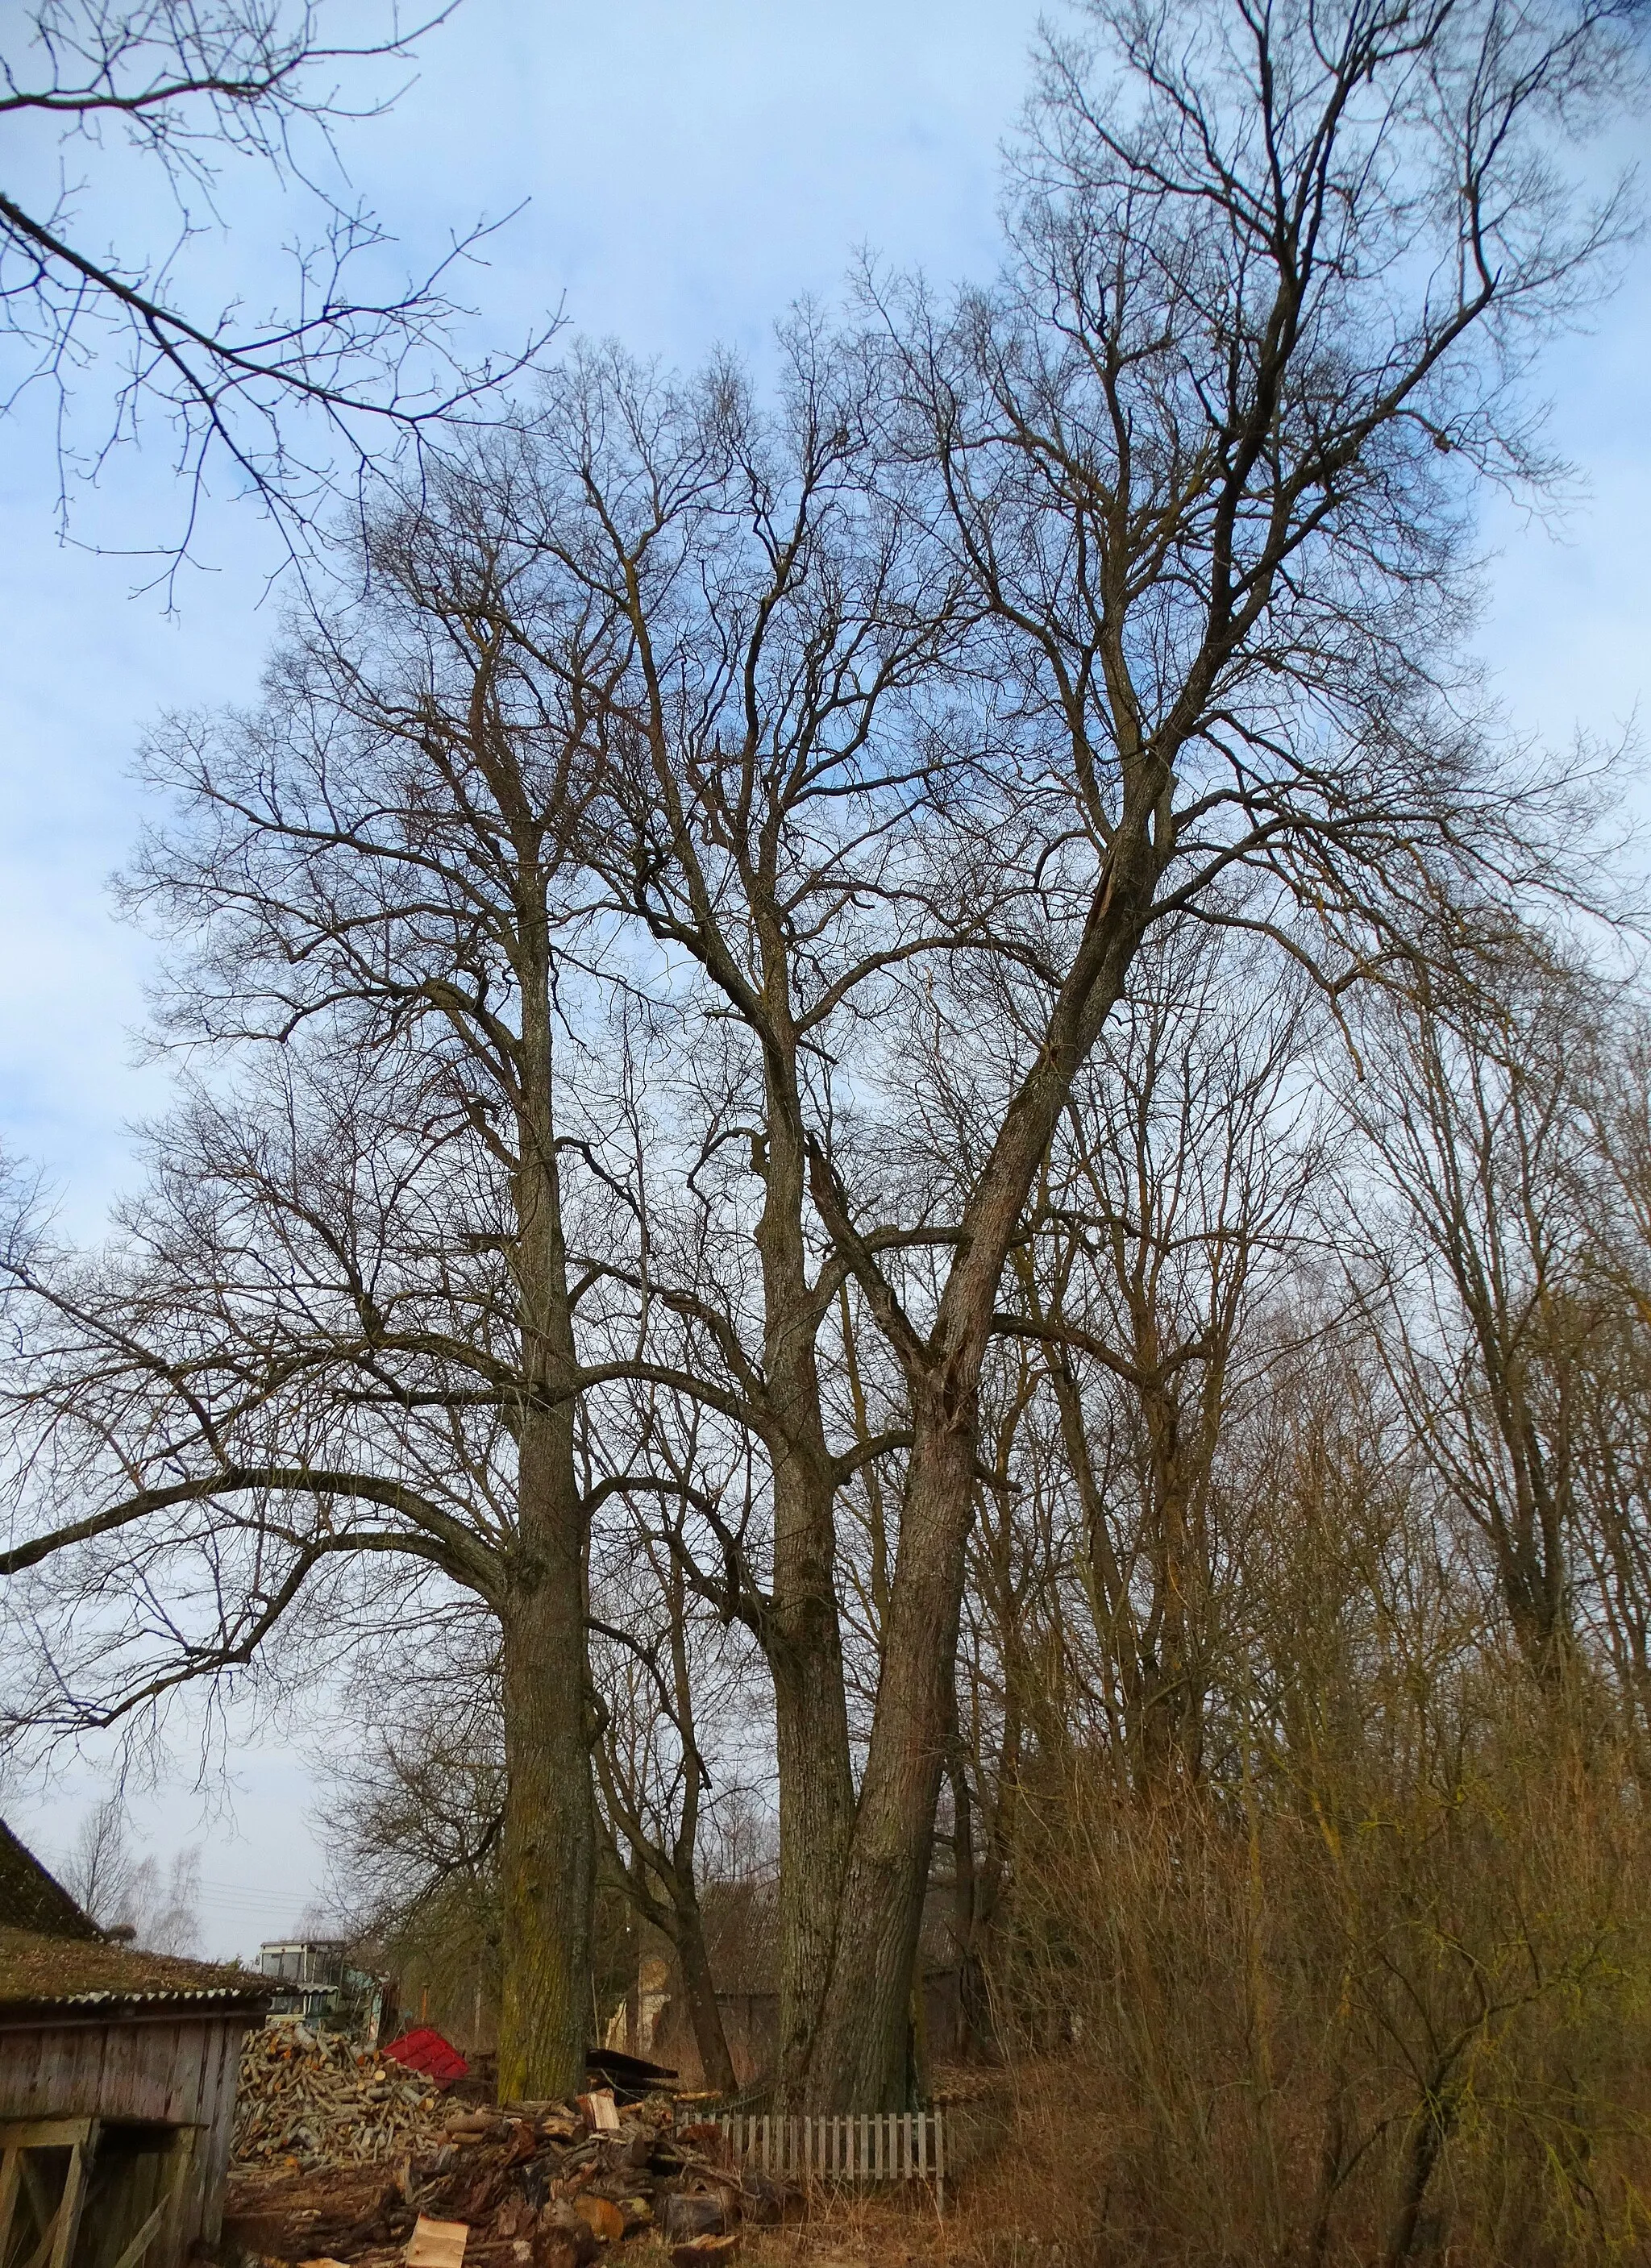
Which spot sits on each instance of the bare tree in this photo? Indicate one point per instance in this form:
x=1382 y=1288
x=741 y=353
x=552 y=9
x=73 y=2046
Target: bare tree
x=329 y=1375
x=1205 y=458
x=98 y=1871
x=188 y=84
x=1471 y=1100
x=1167 y=1216
x=778 y=732
x=663 y=1677
x=412 y=1767
x=159 y=1908
x=659 y=933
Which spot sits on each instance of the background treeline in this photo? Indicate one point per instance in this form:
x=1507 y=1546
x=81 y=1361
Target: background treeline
x=897 y=1113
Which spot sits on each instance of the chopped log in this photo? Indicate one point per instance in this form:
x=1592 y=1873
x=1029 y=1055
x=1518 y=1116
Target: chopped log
x=686 y=2216
x=704 y=2252
x=603 y=2216
x=312 y=2098
x=437 y=2243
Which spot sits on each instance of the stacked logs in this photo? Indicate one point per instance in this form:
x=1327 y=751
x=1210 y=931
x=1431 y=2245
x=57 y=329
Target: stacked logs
x=309 y=2099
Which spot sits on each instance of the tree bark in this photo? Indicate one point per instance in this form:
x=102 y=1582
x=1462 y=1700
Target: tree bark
x=860 y=2054
x=803 y=1639
x=548 y=1845
x=715 y=2062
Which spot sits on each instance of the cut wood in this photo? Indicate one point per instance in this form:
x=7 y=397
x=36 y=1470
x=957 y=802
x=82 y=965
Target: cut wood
x=311 y=2096
x=685 y=2216
x=437 y=2243
x=602 y=2215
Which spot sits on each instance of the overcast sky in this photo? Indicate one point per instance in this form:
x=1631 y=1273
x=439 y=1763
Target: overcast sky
x=691 y=166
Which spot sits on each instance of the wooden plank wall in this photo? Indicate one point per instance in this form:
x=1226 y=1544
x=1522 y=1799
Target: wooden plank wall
x=173 y=2070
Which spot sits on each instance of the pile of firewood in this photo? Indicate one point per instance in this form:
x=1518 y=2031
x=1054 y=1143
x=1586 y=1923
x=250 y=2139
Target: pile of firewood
x=312 y=2099
x=553 y=2185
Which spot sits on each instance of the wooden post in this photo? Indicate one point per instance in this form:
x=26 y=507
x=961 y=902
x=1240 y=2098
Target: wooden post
x=68 y=2226
x=11 y=2175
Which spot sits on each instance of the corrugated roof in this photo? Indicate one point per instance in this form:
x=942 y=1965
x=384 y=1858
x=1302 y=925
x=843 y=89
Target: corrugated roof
x=40 y=1971
x=30 y=1898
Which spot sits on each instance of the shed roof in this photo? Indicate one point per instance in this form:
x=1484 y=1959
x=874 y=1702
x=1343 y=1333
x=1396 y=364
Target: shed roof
x=93 y=1978
x=30 y=1898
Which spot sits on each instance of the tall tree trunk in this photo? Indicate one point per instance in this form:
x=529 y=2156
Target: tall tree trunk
x=816 y=1817
x=860 y=2057
x=860 y=2052
x=715 y=2062
x=803 y=1639
x=547 y=1845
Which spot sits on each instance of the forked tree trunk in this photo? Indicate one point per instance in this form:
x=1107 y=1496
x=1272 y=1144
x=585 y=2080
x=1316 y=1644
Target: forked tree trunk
x=860 y=2059
x=861 y=2052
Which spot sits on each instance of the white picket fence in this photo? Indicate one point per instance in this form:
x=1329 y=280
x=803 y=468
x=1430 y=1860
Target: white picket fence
x=889 y=2146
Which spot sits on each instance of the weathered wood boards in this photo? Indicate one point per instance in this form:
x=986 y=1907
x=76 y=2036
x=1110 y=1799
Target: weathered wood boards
x=877 y=2146
x=161 y=2087
x=31 y=2195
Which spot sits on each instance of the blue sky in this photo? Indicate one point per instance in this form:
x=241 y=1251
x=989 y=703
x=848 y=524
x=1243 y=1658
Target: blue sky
x=691 y=166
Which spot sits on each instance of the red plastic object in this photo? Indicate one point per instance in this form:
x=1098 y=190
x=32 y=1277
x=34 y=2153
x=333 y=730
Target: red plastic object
x=425 y=2052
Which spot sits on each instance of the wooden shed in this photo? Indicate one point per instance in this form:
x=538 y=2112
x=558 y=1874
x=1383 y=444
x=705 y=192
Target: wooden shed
x=117 y=2092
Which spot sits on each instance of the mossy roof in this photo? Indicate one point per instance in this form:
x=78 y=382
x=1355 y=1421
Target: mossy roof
x=93 y=1976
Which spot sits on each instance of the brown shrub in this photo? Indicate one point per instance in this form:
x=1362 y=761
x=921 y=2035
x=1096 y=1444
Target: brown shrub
x=1388 y=2004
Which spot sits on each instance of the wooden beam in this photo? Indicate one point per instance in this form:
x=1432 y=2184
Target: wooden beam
x=148 y=2232
x=11 y=2175
x=74 y=2197
x=44 y=2133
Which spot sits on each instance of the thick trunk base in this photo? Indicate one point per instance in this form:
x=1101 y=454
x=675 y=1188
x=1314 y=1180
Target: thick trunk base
x=548 y=1853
